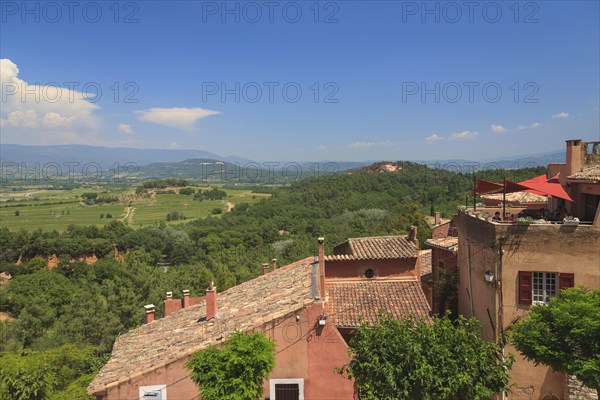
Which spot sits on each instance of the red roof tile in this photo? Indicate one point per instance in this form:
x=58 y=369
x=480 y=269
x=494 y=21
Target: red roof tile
x=449 y=243
x=348 y=301
x=243 y=307
x=374 y=248
x=425 y=258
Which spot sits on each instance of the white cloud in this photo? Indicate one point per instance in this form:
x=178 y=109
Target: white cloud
x=126 y=129
x=433 y=138
x=174 y=145
x=41 y=114
x=176 y=117
x=561 y=115
x=360 y=145
x=464 y=135
x=322 y=147
x=498 y=129
x=532 y=126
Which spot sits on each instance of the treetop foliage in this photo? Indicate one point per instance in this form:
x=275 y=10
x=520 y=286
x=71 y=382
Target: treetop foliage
x=235 y=372
x=429 y=360
x=564 y=334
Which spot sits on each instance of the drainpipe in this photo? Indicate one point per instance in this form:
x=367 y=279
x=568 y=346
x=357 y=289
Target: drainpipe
x=500 y=290
x=470 y=279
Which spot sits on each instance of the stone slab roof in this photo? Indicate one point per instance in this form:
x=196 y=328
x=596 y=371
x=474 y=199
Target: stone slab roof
x=589 y=173
x=447 y=243
x=431 y=221
x=374 y=248
x=348 y=301
x=242 y=307
x=518 y=197
x=425 y=257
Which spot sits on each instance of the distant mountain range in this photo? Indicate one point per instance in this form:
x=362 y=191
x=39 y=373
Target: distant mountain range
x=522 y=161
x=104 y=156
x=160 y=163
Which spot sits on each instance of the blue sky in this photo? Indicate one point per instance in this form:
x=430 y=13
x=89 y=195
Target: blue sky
x=390 y=80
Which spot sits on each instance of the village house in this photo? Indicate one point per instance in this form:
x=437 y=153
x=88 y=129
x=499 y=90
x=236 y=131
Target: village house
x=444 y=249
x=309 y=308
x=505 y=269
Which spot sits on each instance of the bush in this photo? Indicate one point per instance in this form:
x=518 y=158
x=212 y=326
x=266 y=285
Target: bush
x=186 y=191
x=216 y=211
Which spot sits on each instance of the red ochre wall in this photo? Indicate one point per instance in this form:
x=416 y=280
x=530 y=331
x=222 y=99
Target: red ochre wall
x=384 y=269
x=303 y=351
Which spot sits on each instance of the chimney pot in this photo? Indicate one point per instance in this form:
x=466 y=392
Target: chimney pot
x=169 y=295
x=265 y=268
x=211 y=301
x=149 y=313
x=274 y=264
x=186 y=298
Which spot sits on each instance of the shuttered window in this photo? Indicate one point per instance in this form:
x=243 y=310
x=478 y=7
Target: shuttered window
x=525 y=287
x=540 y=287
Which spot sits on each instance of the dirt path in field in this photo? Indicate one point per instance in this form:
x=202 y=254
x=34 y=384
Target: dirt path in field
x=129 y=211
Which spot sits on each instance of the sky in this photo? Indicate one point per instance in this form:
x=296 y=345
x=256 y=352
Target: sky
x=303 y=80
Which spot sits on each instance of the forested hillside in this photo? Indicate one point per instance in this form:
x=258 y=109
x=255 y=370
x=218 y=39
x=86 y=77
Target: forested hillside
x=74 y=303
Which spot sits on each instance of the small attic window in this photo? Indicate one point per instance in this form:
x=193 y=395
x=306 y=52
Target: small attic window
x=369 y=273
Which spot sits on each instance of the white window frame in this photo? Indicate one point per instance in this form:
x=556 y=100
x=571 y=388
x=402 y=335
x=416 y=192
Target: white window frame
x=273 y=382
x=549 y=282
x=161 y=388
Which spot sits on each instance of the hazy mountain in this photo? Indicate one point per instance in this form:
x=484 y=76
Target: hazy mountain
x=522 y=161
x=190 y=163
x=104 y=156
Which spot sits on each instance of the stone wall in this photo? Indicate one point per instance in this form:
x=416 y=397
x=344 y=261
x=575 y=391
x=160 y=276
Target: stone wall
x=576 y=391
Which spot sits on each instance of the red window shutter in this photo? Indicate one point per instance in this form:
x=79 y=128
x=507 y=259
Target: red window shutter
x=566 y=280
x=525 y=287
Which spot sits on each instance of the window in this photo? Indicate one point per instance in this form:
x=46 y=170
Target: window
x=539 y=287
x=369 y=273
x=544 y=287
x=156 y=392
x=286 y=389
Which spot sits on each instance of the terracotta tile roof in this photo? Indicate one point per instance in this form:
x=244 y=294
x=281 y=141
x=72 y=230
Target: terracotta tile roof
x=348 y=301
x=425 y=257
x=242 y=307
x=518 y=197
x=446 y=243
x=374 y=248
x=589 y=173
x=431 y=221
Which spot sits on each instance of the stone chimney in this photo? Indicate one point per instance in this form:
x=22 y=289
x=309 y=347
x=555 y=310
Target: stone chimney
x=149 y=313
x=321 y=242
x=265 y=268
x=438 y=219
x=186 y=298
x=274 y=261
x=211 y=301
x=413 y=236
x=574 y=159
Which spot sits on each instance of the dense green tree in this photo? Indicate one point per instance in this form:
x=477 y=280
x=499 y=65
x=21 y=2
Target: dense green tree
x=235 y=372
x=564 y=335
x=52 y=374
x=441 y=360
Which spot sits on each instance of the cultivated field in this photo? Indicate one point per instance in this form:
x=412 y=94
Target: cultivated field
x=57 y=209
